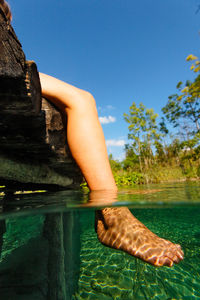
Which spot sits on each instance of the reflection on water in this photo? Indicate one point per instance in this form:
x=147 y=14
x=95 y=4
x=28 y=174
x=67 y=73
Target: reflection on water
x=53 y=253
x=158 y=195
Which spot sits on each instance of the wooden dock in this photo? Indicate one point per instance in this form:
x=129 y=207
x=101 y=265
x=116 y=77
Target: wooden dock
x=33 y=147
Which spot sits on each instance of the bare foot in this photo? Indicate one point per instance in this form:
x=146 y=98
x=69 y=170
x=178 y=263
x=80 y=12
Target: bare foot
x=119 y=229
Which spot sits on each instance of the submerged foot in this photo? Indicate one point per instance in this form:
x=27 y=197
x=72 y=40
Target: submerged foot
x=119 y=229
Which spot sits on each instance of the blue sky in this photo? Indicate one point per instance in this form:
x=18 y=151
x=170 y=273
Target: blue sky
x=119 y=50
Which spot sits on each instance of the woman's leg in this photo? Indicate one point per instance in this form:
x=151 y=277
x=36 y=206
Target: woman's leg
x=116 y=227
x=84 y=132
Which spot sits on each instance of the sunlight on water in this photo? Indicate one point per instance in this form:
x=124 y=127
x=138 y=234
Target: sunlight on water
x=54 y=253
x=115 y=275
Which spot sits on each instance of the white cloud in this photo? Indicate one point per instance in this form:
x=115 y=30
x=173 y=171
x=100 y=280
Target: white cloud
x=115 y=143
x=105 y=108
x=110 y=107
x=107 y=120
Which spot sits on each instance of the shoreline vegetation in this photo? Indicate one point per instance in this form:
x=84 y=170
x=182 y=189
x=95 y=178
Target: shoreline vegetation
x=168 y=149
x=158 y=174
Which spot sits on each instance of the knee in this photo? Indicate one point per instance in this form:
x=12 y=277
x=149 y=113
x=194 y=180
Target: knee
x=85 y=101
x=89 y=99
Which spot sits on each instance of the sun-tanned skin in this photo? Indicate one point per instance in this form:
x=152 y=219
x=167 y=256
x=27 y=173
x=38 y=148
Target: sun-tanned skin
x=116 y=227
x=119 y=229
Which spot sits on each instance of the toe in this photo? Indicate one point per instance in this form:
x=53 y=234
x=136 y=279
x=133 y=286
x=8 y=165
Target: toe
x=153 y=260
x=180 y=254
x=174 y=254
x=178 y=247
x=179 y=251
x=170 y=253
x=176 y=259
x=164 y=261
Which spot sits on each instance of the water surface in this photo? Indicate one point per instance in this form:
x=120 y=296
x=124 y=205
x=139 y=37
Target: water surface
x=49 y=248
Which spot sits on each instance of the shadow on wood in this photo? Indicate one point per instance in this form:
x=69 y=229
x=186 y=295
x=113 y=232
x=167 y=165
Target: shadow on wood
x=33 y=147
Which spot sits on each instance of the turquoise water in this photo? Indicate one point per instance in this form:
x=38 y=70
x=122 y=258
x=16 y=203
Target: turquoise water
x=49 y=248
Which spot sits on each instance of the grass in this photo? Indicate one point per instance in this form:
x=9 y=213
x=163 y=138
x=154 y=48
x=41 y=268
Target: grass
x=156 y=174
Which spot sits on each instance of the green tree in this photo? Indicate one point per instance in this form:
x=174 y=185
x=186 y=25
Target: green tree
x=143 y=132
x=161 y=156
x=115 y=164
x=173 y=151
x=131 y=159
x=185 y=105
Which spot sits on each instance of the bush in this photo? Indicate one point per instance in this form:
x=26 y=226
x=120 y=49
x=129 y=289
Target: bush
x=198 y=171
x=128 y=179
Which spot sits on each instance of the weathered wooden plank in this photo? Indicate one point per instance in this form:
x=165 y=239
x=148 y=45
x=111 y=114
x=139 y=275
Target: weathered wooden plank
x=33 y=147
x=10 y=48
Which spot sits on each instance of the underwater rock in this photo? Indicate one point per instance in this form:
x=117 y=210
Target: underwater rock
x=24 y=272
x=62 y=231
